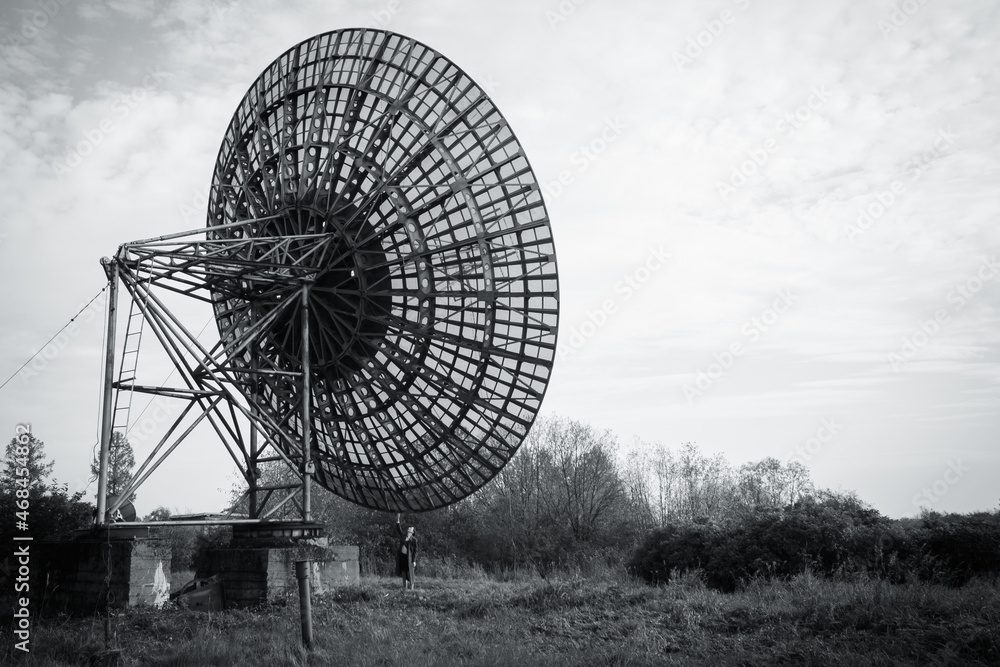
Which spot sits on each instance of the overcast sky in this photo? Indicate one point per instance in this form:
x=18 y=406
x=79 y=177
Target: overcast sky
x=776 y=222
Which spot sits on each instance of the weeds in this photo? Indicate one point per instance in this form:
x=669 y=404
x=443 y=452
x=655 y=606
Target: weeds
x=568 y=621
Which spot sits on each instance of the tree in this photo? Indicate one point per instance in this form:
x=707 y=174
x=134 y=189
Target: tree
x=519 y=511
x=47 y=510
x=768 y=483
x=680 y=486
x=561 y=497
x=666 y=480
x=161 y=513
x=706 y=483
x=635 y=467
x=121 y=461
x=25 y=458
x=586 y=471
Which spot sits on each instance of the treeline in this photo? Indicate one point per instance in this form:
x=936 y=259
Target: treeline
x=572 y=497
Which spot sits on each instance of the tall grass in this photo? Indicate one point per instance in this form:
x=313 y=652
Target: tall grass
x=564 y=619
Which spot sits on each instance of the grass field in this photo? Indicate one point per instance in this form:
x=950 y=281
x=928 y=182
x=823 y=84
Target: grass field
x=806 y=621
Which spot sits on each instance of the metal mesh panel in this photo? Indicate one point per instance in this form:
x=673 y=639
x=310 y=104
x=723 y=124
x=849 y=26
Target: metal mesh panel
x=433 y=315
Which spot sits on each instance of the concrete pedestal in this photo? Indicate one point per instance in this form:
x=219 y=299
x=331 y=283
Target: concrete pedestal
x=87 y=575
x=253 y=575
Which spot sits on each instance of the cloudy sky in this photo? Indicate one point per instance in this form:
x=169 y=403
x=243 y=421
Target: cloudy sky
x=776 y=222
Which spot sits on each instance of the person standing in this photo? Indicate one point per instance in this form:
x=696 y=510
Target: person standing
x=406 y=557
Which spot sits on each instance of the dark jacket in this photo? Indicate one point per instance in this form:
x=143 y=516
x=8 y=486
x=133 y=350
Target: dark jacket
x=406 y=555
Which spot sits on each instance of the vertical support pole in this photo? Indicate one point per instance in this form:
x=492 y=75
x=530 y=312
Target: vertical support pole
x=307 y=464
x=302 y=569
x=253 y=472
x=107 y=418
x=252 y=510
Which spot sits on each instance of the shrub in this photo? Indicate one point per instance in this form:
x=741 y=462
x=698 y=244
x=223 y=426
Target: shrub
x=824 y=534
x=955 y=548
x=674 y=549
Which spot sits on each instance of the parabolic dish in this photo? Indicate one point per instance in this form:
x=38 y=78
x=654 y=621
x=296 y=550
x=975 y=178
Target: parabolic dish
x=434 y=306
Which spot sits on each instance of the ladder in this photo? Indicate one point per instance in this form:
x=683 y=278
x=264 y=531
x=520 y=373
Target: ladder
x=129 y=362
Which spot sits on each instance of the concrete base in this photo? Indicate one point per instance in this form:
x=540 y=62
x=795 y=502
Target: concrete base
x=255 y=575
x=88 y=575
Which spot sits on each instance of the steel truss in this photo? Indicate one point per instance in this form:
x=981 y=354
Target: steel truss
x=215 y=393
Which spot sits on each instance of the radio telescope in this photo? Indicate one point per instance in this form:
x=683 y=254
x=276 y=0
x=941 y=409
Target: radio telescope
x=381 y=268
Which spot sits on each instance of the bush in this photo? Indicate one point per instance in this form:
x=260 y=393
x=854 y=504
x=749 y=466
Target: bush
x=827 y=535
x=824 y=534
x=674 y=549
x=954 y=548
x=53 y=513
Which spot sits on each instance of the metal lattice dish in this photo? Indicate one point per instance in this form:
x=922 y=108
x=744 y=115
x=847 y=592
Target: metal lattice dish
x=379 y=166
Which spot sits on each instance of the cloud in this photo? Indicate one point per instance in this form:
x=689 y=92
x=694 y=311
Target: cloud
x=840 y=111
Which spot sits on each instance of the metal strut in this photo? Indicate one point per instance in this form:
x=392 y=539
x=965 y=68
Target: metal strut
x=107 y=416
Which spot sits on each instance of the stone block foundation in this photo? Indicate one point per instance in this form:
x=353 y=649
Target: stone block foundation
x=87 y=576
x=255 y=575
